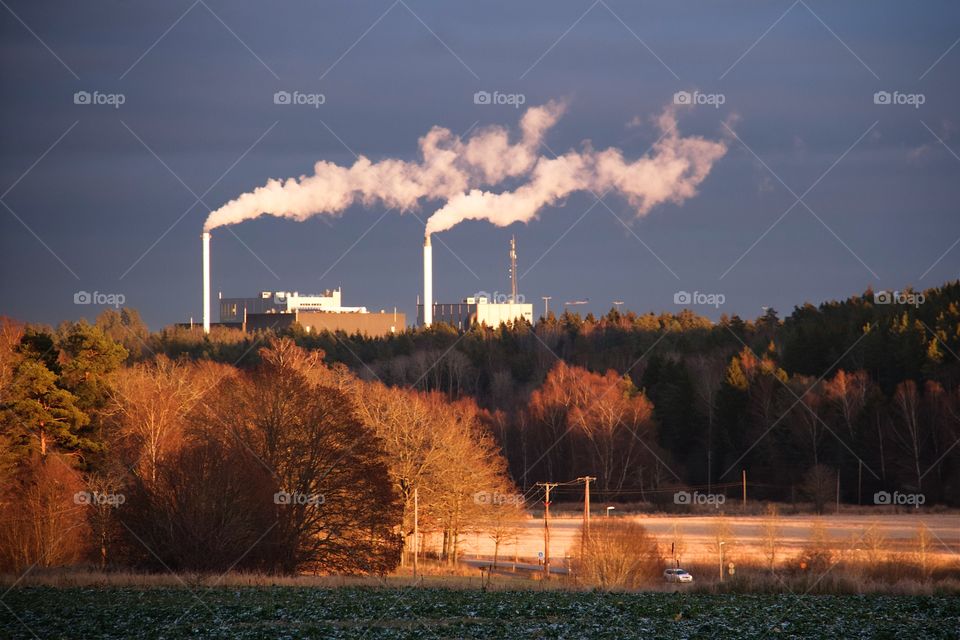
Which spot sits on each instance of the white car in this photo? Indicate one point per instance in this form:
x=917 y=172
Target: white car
x=677 y=575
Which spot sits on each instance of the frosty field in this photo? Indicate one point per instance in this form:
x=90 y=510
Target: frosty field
x=291 y=612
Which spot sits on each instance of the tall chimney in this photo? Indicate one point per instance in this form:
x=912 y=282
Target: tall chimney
x=513 y=269
x=206 y=281
x=427 y=281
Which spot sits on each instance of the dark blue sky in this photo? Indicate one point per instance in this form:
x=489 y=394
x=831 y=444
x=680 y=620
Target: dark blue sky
x=98 y=211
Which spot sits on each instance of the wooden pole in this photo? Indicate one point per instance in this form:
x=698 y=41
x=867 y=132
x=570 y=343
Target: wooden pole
x=586 y=480
x=744 y=490
x=416 y=530
x=586 y=510
x=546 y=532
x=838 y=491
x=546 y=527
x=859 y=479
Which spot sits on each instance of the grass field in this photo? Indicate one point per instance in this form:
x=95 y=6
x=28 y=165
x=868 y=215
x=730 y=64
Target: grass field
x=363 y=612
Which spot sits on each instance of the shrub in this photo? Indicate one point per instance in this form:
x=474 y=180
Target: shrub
x=617 y=554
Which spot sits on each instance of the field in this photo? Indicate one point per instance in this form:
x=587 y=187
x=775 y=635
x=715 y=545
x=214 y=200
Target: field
x=843 y=531
x=352 y=612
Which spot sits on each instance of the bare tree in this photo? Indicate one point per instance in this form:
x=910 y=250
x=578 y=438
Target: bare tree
x=923 y=542
x=819 y=486
x=617 y=554
x=771 y=532
x=910 y=433
x=678 y=543
x=150 y=402
x=42 y=521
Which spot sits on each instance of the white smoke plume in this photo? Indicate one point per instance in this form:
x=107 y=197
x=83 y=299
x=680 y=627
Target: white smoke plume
x=671 y=172
x=448 y=166
x=457 y=172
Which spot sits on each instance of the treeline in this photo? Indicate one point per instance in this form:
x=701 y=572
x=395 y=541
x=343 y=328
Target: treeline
x=311 y=449
x=865 y=389
x=288 y=465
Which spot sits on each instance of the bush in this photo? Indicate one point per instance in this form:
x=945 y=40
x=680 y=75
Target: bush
x=617 y=554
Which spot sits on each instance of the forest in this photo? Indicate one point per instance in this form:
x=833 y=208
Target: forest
x=307 y=452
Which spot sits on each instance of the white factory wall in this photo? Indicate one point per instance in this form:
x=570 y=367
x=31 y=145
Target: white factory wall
x=463 y=314
x=493 y=315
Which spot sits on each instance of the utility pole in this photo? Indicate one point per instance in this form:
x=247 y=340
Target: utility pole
x=586 y=501
x=744 y=490
x=586 y=510
x=546 y=305
x=546 y=526
x=859 y=479
x=416 y=529
x=838 y=491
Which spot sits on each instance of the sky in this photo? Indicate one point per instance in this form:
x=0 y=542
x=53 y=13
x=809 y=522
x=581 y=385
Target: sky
x=826 y=187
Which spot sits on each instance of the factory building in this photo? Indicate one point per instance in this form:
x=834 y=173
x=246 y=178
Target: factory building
x=480 y=310
x=232 y=309
x=279 y=310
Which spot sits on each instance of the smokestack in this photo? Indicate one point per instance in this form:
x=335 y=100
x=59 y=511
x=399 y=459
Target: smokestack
x=206 y=281
x=427 y=281
x=513 y=269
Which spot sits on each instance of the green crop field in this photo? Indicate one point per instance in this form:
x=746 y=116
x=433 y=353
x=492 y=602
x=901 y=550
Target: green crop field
x=295 y=612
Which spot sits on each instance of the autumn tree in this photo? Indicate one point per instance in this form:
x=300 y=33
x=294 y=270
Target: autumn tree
x=149 y=404
x=593 y=423
x=342 y=512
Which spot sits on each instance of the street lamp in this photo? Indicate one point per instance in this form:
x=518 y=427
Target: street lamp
x=609 y=509
x=720 y=546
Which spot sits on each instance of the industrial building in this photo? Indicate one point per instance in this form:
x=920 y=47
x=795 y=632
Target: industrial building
x=233 y=309
x=279 y=310
x=479 y=310
x=482 y=309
